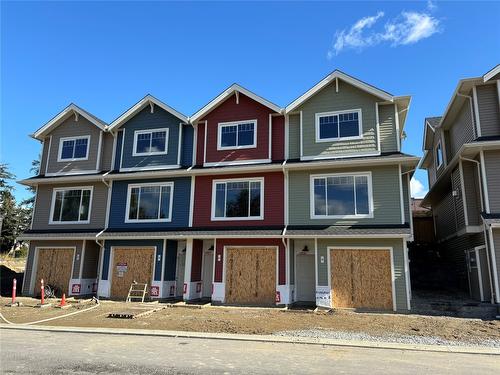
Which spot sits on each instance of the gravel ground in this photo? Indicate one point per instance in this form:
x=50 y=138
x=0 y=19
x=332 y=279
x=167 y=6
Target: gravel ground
x=393 y=338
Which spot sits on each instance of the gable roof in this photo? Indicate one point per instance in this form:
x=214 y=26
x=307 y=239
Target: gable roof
x=430 y=123
x=337 y=74
x=492 y=73
x=148 y=99
x=219 y=99
x=63 y=115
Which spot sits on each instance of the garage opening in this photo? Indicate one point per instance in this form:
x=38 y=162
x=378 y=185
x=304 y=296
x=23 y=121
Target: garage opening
x=361 y=278
x=129 y=265
x=251 y=276
x=54 y=267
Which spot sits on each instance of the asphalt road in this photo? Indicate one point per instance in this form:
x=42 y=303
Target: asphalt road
x=34 y=352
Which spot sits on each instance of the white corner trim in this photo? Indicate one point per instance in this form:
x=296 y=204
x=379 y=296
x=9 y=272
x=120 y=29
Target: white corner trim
x=485 y=183
x=317 y=117
x=75 y=138
x=179 y=145
x=270 y=136
x=476 y=110
x=287 y=137
x=205 y=131
x=99 y=156
x=377 y=124
x=301 y=135
x=396 y=120
x=108 y=203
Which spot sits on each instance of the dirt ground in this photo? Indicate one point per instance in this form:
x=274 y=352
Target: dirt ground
x=15 y=264
x=257 y=321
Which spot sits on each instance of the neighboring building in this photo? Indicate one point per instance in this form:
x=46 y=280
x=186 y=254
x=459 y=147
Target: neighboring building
x=242 y=203
x=462 y=157
x=423 y=223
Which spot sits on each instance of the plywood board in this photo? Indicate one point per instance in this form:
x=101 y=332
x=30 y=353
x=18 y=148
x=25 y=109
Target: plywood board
x=54 y=267
x=129 y=265
x=361 y=279
x=251 y=276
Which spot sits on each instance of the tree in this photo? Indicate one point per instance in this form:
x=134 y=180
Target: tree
x=8 y=210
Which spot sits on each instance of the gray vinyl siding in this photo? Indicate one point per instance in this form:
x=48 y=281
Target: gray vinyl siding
x=462 y=130
x=444 y=216
x=90 y=260
x=388 y=133
x=43 y=156
x=492 y=167
x=496 y=243
x=406 y=202
x=97 y=208
x=472 y=193
x=458 y=199
x=347 y=98
x=386 y=197
x=398 y=254
x=106 y=151
x=294 y=137
x=30 y=269
x=72 y=128
x=485 y=274
x=77 y=261
x=489 y=116
x=438 y=138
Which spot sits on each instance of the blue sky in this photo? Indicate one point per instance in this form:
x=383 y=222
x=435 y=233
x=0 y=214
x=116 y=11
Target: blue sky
x=106 y=56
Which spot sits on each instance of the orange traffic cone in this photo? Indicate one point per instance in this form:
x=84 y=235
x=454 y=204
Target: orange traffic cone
x=63 y=300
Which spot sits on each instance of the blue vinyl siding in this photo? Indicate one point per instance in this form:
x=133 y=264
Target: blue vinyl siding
x=118 y=150
x=180 y=203
x=146 y=120
x=187 y=146
x=170 y=260
x=134 y=243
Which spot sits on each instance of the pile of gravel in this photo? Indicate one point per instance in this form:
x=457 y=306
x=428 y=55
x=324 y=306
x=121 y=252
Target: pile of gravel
x=392 y=338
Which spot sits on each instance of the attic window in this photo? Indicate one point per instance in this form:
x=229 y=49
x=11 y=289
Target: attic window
x=338 y=126
x=150 y=142
x=236 y=135
x=439 y=155
x=73 y=148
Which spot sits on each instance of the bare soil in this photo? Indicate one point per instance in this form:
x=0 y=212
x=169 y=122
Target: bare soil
x=256 y=320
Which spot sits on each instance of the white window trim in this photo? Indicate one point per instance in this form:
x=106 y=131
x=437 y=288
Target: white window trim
x=235 y=123
x=127 y=209
x=439 y=145
x=61 y=140
x=336 y=113
x=215 y=182
x=150 y=153
x=53 y=203
x=358 y=216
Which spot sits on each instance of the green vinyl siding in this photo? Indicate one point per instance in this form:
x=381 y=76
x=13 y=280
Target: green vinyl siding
x=386 y=197
x=398 y=256
x=294 y=136
x=388 y=133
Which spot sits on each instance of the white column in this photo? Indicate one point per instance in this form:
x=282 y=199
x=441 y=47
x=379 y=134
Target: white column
x=187 y=270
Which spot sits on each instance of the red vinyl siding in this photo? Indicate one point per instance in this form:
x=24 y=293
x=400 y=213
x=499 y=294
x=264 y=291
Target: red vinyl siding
x=228 y=111
x=196 y=260
x=273 y=201
x=200 y=143
x=221 y=243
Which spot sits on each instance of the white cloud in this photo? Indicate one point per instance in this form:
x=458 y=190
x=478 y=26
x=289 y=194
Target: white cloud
x=406 y=28
x=417 y=188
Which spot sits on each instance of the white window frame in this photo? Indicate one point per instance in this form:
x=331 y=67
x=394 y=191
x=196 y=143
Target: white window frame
x=439 y=145
x=151 y=131
x=129 y=191
x=235 y=123
x=53 y=204
x=249 y=180
x=61 y=140
x=368 y=175
x=339 y=138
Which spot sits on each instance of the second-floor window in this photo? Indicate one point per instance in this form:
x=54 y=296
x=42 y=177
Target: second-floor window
x=341 y=196
x=74 y=148
x=238 y=199
x=150 y=202
x=439 y=155
x=234 y=135
x=71 y=205
x=150 y=142
x=337 y=126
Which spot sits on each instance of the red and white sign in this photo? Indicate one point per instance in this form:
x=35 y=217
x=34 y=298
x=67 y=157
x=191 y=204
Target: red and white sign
x=155 y=291
x=185 y=288
x=198 y=287
x=278 y=297
x=76 y=288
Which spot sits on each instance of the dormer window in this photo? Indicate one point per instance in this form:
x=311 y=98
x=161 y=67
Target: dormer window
x=439 y=155
x=74 y=148
x=236 y=135
x=150 y=142
x=338 y=126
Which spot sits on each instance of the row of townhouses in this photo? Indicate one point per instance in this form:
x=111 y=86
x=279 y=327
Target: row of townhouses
x=462 y=157
x=244 y=202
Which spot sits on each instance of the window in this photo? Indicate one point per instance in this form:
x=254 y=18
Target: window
x=71 y=206
x=336 y=126
x=150 y=142
x=237 y=135
x=340 y=196
x=150 y=202
x=74 y=148
x=238 y=199
x=439 y=155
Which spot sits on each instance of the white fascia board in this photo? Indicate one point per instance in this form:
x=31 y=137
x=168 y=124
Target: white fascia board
x=140 y=105
x=57 y=119
x=337 y=74
x=493 y=72
x=225 y=95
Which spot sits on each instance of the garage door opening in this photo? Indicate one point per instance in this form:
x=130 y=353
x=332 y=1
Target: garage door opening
x=129 y=265
x=251 y=276
x=361 y=278
x=55 y=266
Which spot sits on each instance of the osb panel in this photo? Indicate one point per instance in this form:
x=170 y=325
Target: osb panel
x=54 y=267
x=251 y=276
x=139 y=268
x=361 y=279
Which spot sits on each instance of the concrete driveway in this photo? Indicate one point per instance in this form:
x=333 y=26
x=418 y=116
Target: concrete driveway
x=35 y=352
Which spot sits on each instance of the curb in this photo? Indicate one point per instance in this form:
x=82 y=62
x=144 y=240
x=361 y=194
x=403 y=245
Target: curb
x=263 y=338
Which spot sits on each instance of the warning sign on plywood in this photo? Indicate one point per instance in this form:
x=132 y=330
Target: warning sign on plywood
x=121 y=267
